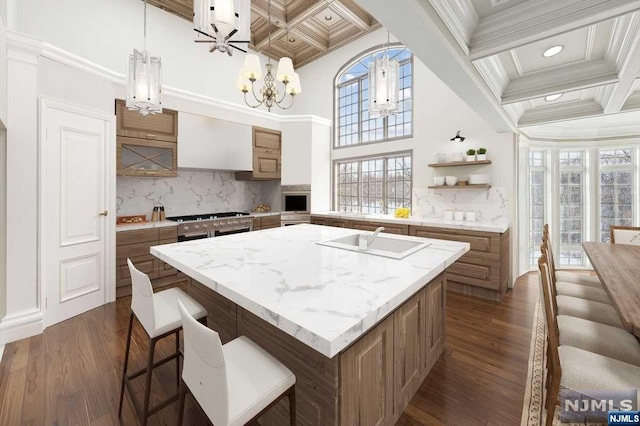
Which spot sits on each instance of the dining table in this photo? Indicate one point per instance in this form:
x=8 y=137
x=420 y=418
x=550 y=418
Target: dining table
x=618 y=267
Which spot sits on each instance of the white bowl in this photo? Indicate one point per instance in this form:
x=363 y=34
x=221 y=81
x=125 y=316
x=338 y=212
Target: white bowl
x=451 y=180
x=483 y=179
x=438 y=180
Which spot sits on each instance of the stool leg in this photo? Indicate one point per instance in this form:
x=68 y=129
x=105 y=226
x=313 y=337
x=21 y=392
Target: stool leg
x=292 y=405
x=126 y=364
x=183 y=395
x=147 y=389
x=178 y=359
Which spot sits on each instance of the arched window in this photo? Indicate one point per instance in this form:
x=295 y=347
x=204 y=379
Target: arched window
x=353 y=124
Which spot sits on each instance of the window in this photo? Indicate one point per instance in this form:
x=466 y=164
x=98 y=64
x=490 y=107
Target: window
x=352 y=102
x=537 y=179
x=571 y=207
x=374 y=184
x=616 y=190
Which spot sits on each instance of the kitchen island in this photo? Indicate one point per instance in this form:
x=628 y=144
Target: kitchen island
x=360 y=331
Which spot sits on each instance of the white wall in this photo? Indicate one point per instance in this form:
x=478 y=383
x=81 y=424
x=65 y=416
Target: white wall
x=106 y=31
x=3 y=220
x=438 y=114
x=3 y=75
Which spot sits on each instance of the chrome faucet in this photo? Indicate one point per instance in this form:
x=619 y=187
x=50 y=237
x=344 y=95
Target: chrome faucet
x=365 y=242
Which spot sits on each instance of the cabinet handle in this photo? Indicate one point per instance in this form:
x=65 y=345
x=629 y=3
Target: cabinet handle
x=151 y=136
x=104 y=213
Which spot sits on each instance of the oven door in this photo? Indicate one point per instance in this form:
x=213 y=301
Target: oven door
x=230 y=231
x=193 y=236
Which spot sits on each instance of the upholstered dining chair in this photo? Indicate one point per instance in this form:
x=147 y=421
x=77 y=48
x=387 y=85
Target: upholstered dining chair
x=235 y=383
x=159 y=316
x=575 y=368
x=625 y=235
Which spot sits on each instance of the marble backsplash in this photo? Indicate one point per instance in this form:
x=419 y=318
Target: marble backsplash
x=192 y=192
x=488 y=205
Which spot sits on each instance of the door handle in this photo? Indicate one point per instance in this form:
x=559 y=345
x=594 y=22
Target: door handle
x=104 y=213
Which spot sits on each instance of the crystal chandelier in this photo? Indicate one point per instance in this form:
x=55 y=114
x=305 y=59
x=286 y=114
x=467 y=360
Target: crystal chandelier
x=144 y=79
x=222 y=23
x=384 y=84
x=269 y=94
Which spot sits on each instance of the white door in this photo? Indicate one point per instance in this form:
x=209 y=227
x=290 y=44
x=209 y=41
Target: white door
x=76 y=199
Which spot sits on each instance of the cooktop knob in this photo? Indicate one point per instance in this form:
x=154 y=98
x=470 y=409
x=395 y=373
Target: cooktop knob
x=186 y=228
x=197 y=226
x=205 y=226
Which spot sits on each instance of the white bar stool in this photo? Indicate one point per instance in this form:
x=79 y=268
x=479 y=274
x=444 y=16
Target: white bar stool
x=159 y=316
x=234 y=383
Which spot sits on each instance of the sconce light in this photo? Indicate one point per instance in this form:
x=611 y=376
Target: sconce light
x=458 y=138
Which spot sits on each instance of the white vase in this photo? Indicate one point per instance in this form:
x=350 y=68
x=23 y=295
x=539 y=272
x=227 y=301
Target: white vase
x=471 y=158
x=482 y=157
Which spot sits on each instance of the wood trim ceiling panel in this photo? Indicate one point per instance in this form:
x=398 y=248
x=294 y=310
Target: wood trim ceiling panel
x=299 y=17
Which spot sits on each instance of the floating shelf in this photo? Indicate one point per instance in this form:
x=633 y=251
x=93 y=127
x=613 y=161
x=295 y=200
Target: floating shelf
x=482 y=186
x=460 y=163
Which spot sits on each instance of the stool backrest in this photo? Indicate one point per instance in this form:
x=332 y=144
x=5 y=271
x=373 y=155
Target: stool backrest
x=625 y=235
x=142 y=298
x=204 y=370
x=552 y=264
x=545 y=249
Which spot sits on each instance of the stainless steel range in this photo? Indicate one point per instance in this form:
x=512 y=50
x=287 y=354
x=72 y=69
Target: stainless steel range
x=195 y=227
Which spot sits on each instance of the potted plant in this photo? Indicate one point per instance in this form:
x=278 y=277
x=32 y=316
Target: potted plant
x=471 y=155
x=482 y=154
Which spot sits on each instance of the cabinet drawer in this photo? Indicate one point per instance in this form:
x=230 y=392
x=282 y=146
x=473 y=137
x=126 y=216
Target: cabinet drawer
x=146 y=264
x=266 y=164
x=372 y=226
x=481 y=243
x=138 y=236
x=170 y=232
x=267 y=140
x=270 y=221
x=161 y=127
x=339 y=223
x=320 y=221
x=134 y=250
x=476 y=271
x=164 y=269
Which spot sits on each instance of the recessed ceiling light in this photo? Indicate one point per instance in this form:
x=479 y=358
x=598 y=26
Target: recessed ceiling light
x=328 y=17
x=553 y=97
x=553 y=51
x=292 y=40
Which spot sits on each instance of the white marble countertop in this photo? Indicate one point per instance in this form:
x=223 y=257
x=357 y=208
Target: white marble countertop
x=262 y=214
x=145 y=225
x=499 y=226
x=325 y=297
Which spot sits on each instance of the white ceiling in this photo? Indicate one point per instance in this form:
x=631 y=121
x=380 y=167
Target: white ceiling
x=502 y=41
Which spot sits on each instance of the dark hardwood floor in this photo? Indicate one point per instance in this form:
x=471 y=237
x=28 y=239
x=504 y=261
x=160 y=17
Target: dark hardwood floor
x=70 y=375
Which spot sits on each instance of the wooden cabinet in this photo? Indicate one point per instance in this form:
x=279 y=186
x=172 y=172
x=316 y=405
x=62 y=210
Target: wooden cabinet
x=366 y=370
x=136 y=245
x=156 y=127
x=267 y=155
x=315 y=220
x=221 y=312
x=435 y=297
x=389 y=228
x=266 y=222
x=484 y=270
x=147 y=145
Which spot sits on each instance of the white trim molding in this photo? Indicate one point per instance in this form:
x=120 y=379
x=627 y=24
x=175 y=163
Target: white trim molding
x=460 y=17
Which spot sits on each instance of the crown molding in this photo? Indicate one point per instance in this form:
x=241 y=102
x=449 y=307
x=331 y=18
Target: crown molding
x=533 y=21
x=494 y=74
x=25 y=48
x=460 y=17
x=562 y=79
x=611 y=134
x=560 y=112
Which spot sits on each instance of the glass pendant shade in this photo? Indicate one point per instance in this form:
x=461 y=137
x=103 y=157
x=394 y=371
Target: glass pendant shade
x=285 y=70
x=242 y=83
x=223 y=16
x=252 y=68
x=294 y=87
x=384 y=84
x=144 y=85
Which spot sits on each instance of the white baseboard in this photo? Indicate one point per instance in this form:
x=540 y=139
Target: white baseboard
x=21 y=326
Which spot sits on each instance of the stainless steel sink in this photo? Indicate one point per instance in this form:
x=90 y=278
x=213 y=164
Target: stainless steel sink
x=385 y=246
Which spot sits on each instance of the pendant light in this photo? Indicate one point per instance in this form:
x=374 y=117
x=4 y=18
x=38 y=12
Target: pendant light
x=383 y=85
x=222 y=23
x=144 y=79
x=268 y=95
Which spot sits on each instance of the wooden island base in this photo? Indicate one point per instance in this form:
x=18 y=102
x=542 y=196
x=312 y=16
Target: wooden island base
x=369 y=383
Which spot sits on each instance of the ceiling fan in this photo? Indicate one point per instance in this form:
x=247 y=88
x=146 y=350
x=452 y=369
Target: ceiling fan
x=219 y=20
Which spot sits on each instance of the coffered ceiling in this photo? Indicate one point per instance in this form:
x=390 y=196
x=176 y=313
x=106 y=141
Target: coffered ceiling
x=596 y=72
x=301 y=29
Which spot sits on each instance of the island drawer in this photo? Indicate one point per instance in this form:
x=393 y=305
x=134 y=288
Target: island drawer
x=485 y=244
x=137 y=236
x=389 y=228
x=169 y=232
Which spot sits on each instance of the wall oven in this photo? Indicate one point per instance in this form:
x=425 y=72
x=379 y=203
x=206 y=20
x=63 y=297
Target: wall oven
x=296 y=204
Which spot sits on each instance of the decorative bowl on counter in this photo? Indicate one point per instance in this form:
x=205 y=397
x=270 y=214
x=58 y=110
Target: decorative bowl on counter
x=138 y=218
x=438 y=180
x=262 y=208
x=451 y=180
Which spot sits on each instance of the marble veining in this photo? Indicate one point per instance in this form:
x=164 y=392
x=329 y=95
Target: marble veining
x=325 y=297
x=192 y=192
x=489 y=205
